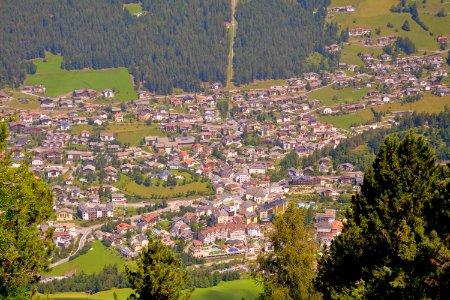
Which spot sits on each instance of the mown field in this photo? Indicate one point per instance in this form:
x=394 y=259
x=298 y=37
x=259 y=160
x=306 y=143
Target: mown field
x=127 y=185
x=349 y=54
x=375 y=14
x=231 y=290
x=59 y=82
x=346 y=121
x=134 y=133
x=344 y=95
x=126 y=132
x=91 y=262
x=263 y=84
x=133 y=8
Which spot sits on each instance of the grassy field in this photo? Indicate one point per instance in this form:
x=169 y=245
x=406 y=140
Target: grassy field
x=122 y=294
x=263 y=84
x=345 y=95
x=133 y=8
x=91 y=262
x=439 y=26
x=349 y=54
x=130 y=187
x=59 y=82
x=345 y=121
x=375 y=14
x=429 y=103
x=231 y=290
x=33 y=103
x=126 y=133
x=134 y=133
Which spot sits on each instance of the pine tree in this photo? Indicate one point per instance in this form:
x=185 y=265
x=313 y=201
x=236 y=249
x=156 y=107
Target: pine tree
x=395 y=243
x=406 y=26
x=25 y=203
x=159 y=274
x=288 y=271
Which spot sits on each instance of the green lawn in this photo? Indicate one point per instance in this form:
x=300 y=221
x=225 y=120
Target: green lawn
x=133 y=8
x=345 y=95
x=231 y=290
x=122 y=294
x=345 y=121
x=134 y=133
x=373 y=14
x=130 y=187
x=264 y=84
x=429 y=103
x=91 y=262
x=60 y=82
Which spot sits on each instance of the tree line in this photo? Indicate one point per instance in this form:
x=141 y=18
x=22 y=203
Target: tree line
x=274 y=38
x=109 y=277
x=176 y=44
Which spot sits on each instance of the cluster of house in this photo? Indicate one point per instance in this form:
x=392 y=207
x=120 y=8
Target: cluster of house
x=340 y=9
x=234 y=154
x=327 y=227
x=397 y=78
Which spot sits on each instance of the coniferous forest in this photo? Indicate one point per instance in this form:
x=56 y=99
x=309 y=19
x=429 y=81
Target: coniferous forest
x=175 y=44
x=274 y=38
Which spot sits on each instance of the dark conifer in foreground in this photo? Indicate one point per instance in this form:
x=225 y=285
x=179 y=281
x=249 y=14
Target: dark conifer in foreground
x=395 y=244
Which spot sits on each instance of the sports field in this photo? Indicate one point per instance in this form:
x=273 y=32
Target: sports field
x=59 y=82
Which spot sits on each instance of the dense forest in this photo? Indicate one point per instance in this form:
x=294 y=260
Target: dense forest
x=175 y=44
x=274 y=38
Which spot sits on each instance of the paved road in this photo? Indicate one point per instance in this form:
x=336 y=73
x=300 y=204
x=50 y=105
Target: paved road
x=85 y=231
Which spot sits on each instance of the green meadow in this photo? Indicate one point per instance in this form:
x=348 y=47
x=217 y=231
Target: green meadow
x=133 y=8
x=344 y=95
x=59 y=82
x=346 y=121
x=429 y=103
x=126 y=132
x=134 y=133
x=130 y=187
x=263 y=84
x=91 y=262
x=230 y=290
x=349 y=53
x=375 y=14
